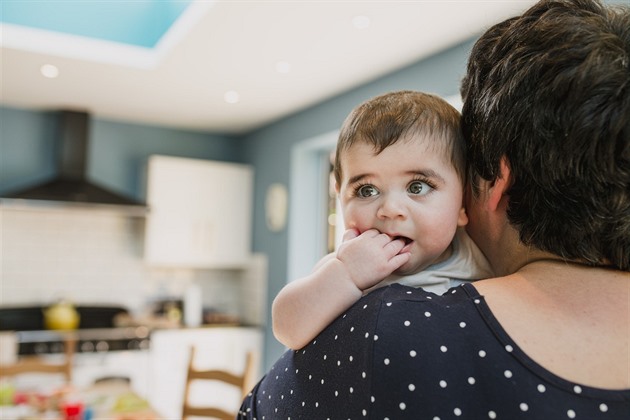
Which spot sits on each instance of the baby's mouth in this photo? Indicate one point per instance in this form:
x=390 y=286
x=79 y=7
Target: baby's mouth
x=404 y=239
x=408 y=243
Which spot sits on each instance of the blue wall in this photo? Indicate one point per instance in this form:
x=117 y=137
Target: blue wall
x=118 y=151
x=26 y=148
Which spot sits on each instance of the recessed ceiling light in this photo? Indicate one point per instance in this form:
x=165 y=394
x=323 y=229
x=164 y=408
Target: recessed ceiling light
x=231 y=97
x=361 y=22
x=49 y=71
x=283 y=67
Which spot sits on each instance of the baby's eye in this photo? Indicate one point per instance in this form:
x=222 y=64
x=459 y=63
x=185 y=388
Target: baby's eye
x=365 y=191
x=419 y=188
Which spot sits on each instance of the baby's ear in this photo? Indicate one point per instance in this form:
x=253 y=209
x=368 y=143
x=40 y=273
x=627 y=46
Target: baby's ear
x=462 y=218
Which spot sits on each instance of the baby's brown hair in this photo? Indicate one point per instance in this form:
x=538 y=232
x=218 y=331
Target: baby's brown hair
x=383 y=120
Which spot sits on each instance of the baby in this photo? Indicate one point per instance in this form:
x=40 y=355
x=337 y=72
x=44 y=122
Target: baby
x=400 y=175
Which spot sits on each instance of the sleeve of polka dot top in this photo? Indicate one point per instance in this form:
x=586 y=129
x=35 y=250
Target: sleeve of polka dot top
x=328 y=378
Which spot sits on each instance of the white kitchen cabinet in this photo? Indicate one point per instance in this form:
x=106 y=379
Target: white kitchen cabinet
x=217 y=348
x=200 y=213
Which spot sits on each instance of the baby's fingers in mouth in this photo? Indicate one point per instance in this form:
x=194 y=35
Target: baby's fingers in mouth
x=406 y=240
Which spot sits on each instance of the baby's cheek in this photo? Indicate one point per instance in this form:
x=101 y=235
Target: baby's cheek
x=351 y=223
x=440 y=237
x=359 y=218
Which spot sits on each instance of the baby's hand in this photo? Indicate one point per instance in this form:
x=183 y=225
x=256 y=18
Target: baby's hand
x=370 y=256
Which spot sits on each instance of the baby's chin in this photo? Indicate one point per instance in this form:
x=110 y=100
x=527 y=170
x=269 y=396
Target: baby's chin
x=410 y=268
x=415 y=265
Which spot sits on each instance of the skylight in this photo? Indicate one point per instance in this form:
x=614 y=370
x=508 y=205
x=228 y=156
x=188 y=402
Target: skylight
x=136 y=33
x=138 y=23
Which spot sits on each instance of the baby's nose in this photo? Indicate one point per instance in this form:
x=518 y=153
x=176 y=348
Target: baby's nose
x=392 y=206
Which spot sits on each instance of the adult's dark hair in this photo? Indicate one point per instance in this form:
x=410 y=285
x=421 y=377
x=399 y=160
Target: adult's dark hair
x=550 y=90
x=385 y=119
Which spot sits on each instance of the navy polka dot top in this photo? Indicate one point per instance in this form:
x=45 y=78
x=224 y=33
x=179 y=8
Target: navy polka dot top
x=404 y=353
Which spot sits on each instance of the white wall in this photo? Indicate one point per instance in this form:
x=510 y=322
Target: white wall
x=95 y=257
x=74 y=254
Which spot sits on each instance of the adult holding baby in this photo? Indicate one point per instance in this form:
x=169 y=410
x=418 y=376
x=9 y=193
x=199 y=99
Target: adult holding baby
x=546 y=119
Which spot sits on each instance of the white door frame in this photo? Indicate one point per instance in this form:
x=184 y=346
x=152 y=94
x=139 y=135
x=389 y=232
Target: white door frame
x=308 y=195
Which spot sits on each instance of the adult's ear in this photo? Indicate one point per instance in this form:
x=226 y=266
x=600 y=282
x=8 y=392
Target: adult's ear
x=497 y=196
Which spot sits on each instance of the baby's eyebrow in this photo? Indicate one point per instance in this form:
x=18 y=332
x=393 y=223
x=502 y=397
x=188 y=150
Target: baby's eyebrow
x=427 y=173
x=358 y=178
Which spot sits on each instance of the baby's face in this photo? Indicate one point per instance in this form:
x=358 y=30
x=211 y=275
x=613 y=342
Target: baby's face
x=409 y=190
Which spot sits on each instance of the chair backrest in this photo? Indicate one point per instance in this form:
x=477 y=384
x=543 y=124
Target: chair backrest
x=243 y=382
x=37 y=364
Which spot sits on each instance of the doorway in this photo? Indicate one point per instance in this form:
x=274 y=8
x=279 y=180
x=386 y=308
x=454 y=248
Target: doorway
x=310 y=204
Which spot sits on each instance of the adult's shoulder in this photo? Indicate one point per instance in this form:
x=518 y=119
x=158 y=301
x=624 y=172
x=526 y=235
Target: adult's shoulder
x=387 y=297
x=360 y=356
x=389 y=315
x=396 y=302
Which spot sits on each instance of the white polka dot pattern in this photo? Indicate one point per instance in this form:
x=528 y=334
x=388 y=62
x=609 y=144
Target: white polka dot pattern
x=404 y=354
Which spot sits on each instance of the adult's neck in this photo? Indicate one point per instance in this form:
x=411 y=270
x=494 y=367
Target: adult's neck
x=508 y=254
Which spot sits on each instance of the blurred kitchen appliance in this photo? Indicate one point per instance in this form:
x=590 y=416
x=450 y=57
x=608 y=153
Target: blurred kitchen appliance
x=193 y=309
x=102 y=348
x=71 y=184
x=97 y=330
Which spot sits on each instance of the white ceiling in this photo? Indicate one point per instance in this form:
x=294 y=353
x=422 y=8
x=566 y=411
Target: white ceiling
x=235 y=45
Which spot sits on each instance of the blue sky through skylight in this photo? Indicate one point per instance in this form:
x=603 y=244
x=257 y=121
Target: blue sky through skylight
x=139 y=23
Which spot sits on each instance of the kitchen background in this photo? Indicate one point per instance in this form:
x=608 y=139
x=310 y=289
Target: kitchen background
x=97 y=256
x=118 y=154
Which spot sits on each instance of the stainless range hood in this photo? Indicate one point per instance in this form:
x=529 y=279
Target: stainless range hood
x=71 y=187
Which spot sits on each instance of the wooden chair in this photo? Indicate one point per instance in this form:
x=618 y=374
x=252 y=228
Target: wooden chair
x=37 y=364
x=243 y=382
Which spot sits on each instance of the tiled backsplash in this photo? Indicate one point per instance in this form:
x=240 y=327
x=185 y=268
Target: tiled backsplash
x=91 y=256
